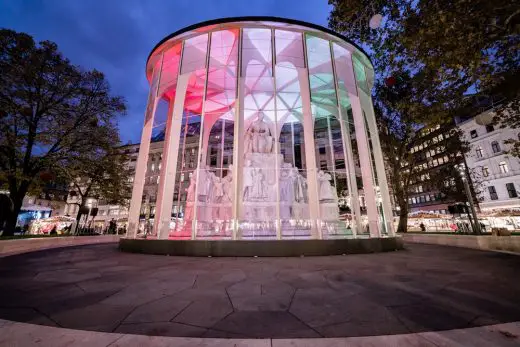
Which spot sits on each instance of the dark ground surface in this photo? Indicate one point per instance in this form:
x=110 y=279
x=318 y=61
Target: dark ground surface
x=423 y=288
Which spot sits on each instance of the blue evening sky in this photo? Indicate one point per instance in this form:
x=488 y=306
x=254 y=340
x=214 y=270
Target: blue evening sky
x=116 y=36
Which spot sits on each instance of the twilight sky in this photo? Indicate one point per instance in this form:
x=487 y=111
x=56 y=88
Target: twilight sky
x=116 y=36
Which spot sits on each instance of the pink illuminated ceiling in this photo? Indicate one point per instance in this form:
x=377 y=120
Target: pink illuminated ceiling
x=265 y=89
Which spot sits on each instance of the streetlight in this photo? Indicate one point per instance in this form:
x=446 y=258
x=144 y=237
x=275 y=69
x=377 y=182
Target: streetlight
x=89 y=204
x=462 y=172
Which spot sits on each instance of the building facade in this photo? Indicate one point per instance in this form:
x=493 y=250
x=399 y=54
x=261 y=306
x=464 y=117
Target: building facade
x=269 y=124
x=431 y=154
x=498 y=172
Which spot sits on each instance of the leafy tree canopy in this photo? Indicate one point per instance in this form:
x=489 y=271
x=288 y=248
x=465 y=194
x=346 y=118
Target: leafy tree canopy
x=51 y=112
x=451 y=46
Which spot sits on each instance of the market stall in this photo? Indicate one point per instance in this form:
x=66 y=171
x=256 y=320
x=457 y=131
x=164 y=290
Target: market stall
x=46 y=225
x=431 y=221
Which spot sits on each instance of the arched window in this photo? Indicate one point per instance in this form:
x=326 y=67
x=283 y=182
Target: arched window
x=495 y=146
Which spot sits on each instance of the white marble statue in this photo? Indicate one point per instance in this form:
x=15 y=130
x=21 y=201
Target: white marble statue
x=192 y=187
x=204 y=183
x=300 y=186
x=286 y=183
x=217 y=191
x=259 y=189
x=258 y=137
x=248 y=172
x=227 y=186
x=326 y=191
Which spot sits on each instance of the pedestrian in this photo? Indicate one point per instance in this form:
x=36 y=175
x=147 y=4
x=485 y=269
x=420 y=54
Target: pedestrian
x=423 y=228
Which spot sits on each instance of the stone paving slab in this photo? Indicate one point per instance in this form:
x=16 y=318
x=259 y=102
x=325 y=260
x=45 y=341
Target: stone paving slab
x=422 y=289
x=28 y=335
x=18 y=246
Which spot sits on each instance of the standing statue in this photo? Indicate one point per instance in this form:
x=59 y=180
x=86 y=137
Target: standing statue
x=286 y=183
x=218 y=191
x=192 y=187
x=227 y=186
x=203 y=190
x=258 y=137
x=300 y=186
x=259 y=191
x=326 y=191
x=248 y=180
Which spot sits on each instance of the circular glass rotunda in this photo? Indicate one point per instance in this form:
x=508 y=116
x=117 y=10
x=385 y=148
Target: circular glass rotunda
x=267 y=131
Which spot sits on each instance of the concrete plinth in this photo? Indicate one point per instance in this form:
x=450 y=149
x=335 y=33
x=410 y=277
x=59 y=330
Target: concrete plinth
x=267 y=248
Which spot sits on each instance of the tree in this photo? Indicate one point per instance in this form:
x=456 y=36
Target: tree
x=50 y=111
x=101 y=175
x=454 y=44
x=401 y=134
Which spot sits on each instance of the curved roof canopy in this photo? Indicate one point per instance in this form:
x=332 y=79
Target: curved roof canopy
x=261 y=21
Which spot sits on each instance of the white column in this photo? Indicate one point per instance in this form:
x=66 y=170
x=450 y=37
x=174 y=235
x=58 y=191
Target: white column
x=366 y=168
x=238 y=156
x=366 y=103
x=350 y=167
x=278 y=222
x=164 y=205
x=141 y=164
x=351 y=174
x=310 y=155
x=238 y=145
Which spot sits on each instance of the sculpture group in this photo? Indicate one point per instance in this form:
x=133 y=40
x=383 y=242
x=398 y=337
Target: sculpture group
x=261 y=188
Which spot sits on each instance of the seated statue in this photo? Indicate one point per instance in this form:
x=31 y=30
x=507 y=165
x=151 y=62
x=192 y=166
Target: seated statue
x=258 y=137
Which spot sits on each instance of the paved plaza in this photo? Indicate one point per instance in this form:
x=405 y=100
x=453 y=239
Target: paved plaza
x=98 y=288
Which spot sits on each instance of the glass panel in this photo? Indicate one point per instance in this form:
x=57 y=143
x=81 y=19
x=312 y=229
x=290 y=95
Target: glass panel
x=377 y=192
x=348 y=189
x=194 y=55
x=294 y=203
x=258 y=211
x=170 y=70
x=184 y=193
x=330 y=159
x=359 y=71
x=214 y=207
x=289 y=49
x=186 y=190
x=147 y=208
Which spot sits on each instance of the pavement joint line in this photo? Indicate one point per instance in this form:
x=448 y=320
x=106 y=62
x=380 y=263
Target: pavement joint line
x=117 y=339
x=307 y=325
x=229 y=298
x=181 y=311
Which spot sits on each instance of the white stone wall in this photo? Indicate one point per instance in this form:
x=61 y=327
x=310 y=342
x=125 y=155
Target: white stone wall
x=497 y=176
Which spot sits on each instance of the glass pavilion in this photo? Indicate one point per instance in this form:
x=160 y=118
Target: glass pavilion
x=269 y=133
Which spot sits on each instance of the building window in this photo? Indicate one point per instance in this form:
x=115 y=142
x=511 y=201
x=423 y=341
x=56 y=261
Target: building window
x=485 y=171
x=490 y=128
x=322 y=150
x=495 y=147
x=473 y=134
x=511 y=190
x=492 y=193
x=503 y=167
x=479 y=152
x=323 y=164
